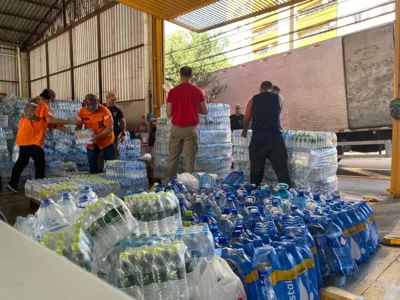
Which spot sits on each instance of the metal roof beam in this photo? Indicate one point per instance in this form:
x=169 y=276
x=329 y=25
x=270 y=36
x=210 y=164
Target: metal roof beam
x=17 y=30
x=21 y=17
x=40 y=4
x=7 y=42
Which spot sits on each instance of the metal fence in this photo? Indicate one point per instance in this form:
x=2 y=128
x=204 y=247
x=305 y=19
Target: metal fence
x=101 y=53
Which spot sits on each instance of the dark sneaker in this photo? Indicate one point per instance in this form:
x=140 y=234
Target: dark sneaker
x=11 y=189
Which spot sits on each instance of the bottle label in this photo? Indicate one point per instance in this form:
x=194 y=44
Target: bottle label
x=126 y=282
x=189 y=266
x=96 y=228
x=146 y=279
x=178 y=273
x=115 y=215
x=321 y=241
x=158 y=216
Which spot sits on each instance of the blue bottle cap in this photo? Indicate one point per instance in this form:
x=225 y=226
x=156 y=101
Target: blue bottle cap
x=236 y=233
x=294 y=207
x=235 y=211
x=226 y=211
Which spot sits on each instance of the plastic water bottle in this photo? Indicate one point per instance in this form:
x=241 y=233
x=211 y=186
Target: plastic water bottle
x=169 y=207
x=145 y=275
x=266 y=262
x=67 y=207
x=192 y=247
x=236 y=218
x=306 y=286
x=341 y=249
x=190 y=275
x=156 y=214
x=80 y=257
x=226 y=226
x=206 y=246
x=178 y=282
x=48 y=218
x=253 y=287
x=160 y=273
x=323 y=250
x=126 y=276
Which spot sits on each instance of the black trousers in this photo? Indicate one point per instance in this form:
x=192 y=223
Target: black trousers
x=276 y=152
x=25 y=154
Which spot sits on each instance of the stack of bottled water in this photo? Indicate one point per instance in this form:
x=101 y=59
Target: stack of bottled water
x=312 y=158
x=129 y=149
x=153 y=271
x=73 y=245
x=84 y=136
x=65 y=109
x=215 y=149
x=129 y=169
x=157 y=213
x=107 y=222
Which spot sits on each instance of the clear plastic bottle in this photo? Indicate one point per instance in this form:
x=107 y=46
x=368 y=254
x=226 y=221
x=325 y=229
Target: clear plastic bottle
x=179 y=288
x=160 y=274
x=67 y=207
x=226 y=226
x=145 y=276
x=80 y=257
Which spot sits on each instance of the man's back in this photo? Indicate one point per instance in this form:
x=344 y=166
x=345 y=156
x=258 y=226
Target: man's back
x=185 y=99
x=266 y=111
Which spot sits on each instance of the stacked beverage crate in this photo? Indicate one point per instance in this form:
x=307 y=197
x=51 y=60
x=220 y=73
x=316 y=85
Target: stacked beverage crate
x=312 y=159
x=215 y=148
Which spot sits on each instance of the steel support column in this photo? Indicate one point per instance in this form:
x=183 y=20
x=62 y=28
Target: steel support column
x=157 y=52
x=395 y=178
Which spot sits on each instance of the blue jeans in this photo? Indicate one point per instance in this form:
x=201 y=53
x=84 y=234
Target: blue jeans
x=93 y=156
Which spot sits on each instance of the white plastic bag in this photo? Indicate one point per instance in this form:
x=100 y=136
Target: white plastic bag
x=189 y=181
x=216 y=281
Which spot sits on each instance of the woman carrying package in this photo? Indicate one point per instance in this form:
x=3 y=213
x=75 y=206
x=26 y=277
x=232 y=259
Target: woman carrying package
x=31 y=134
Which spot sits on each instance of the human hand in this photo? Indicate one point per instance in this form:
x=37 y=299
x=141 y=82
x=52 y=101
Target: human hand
x=62 y=128
x=244 y=133
x=94 y=139
x=77 y=122
x=122 y=137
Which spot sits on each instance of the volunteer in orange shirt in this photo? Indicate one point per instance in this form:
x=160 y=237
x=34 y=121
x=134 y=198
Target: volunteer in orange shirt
x=99 y=118
x=30 y=136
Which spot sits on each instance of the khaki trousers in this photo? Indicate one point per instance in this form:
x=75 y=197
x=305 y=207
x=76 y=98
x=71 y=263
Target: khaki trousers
x=184 y=139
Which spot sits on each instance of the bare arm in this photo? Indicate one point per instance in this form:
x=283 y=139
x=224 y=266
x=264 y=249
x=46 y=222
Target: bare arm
x=247 y=118
x=203 y=108
x=169 y=109
x=55 y=121
x=104 y=133
x=122 y=123
x=281 y=104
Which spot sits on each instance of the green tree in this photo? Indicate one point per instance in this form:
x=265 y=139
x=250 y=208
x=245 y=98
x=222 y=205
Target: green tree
x=199 y=51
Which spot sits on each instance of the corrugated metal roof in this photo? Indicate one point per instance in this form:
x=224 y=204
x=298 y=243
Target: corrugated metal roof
x=203 y=15
x=22 y=21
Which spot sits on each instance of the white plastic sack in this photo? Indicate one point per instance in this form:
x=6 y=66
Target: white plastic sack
x=216 y=281
x=189 y=181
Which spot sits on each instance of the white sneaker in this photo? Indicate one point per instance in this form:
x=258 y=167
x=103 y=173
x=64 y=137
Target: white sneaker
x=11 y=189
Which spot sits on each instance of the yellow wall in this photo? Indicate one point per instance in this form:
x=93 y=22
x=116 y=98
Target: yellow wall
x=269 y=38
x=325 y=17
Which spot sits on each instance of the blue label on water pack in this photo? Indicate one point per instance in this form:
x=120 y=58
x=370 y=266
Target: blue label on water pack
x=321 y=241
x=337 y=242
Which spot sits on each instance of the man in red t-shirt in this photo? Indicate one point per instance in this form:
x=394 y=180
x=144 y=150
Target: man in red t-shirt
x=184 y=104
